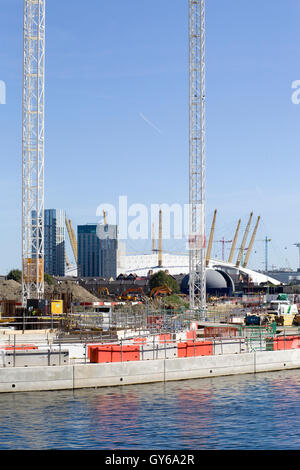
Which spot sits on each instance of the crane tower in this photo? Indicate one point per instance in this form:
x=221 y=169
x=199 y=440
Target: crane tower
x=33 y=150
x=197 y=156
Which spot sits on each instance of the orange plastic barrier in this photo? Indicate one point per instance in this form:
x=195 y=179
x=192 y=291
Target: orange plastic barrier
x=114 y=353
x=182 y=349
x=125 y=353
x=197 y=348
x=140 y=340
x=100 y=354
x=191 y=334
x=91 y=347
x=286 y=342
x=19 y=347
x=164 y=338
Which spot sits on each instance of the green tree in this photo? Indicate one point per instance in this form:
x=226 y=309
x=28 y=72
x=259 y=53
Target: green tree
x=48 y=279
x=160 y=278
x=15 y=275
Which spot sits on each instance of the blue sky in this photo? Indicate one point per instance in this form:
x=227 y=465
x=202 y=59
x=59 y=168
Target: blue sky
x=114 y=67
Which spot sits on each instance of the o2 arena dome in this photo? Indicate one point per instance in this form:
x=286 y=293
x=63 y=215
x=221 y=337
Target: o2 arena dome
x=218 y=283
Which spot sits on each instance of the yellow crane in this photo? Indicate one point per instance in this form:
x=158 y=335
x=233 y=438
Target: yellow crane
x=104 y=217
x=238 y=261
x=72 y=238
x=211 y=237
x=153 y=239
x=234 y=242
x=251 y=244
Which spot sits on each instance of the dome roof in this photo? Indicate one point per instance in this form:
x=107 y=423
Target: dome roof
x=215 y=280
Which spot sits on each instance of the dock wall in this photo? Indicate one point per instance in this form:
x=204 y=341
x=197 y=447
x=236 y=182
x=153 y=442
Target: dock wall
x=75 y=376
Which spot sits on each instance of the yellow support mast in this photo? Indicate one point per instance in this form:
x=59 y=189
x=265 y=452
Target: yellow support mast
x=251 y=244
x=238 y=261
x=234 y=242
x=211 y=237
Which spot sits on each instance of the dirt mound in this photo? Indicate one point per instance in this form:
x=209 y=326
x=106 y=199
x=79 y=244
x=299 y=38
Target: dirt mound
x=12 y=290
x=77 y=292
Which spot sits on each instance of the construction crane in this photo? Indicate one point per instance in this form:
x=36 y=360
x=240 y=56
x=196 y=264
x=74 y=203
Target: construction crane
x=266 y=241
x=223 y=241
x=298 y=246
x=153 y=239
x=251 y=244
x=197 y=158
x=72 y=238
x=105 y=218
x=234 y=242
x=33 y=146
x=160 y=260
x=238 y=261
x=211 y=237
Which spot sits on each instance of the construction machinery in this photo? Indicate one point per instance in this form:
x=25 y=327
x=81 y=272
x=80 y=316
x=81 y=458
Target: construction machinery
x=153 y=239
x=223 y=241
x=133 y=294
x=33 y=146
x=105 y=218
x=160 y=291
x=197 y=157
x=103 y=291
x=283 y=312
x=160 y=260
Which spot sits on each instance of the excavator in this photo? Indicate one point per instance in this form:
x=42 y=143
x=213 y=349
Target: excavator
x=160 y=291
x=103 y=291
x=132 y=294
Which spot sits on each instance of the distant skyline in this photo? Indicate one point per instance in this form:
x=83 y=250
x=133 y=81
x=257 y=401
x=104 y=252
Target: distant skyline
x=117 y=116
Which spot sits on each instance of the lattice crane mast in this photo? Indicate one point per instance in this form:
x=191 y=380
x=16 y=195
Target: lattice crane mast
x=33 y=143
x=197 y=157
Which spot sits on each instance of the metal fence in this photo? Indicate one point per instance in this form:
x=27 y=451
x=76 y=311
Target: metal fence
x=52 y=348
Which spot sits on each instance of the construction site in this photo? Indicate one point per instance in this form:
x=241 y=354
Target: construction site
x=134 y=319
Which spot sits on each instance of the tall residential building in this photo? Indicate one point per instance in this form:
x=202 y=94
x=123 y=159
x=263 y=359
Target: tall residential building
x=54 y=243
x=97 y=250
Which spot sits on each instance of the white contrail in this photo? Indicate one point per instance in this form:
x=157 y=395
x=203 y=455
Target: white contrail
x=150 y=123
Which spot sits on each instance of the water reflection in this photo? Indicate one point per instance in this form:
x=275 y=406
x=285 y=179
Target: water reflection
x=242 y=412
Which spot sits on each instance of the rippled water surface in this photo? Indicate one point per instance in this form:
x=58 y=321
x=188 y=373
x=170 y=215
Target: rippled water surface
x=243 y=412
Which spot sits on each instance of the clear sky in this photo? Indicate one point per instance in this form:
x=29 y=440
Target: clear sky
x=117 y=115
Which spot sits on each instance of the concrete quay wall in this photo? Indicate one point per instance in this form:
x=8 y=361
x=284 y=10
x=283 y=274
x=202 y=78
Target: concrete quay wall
x=75 y=376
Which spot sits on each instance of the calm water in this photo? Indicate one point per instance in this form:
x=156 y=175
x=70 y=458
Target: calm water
x=243 y=412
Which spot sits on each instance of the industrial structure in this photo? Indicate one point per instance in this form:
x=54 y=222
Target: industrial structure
x=197 y=156
x=96 y=251
x=33 y=150
x=146 y=343
x=141 y=265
